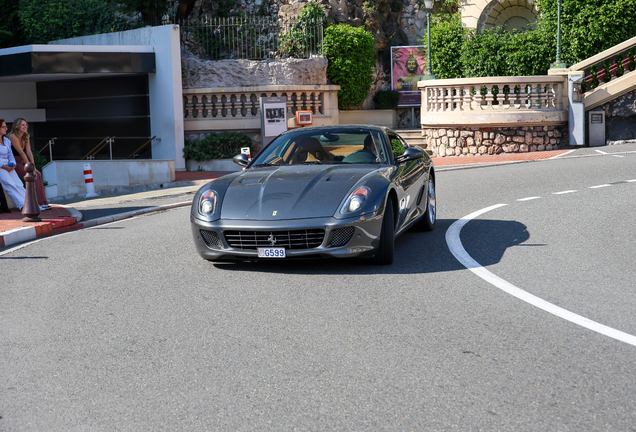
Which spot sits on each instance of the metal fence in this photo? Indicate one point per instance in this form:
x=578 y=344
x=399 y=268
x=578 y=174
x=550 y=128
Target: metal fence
x=250 y=38
x=254 y=38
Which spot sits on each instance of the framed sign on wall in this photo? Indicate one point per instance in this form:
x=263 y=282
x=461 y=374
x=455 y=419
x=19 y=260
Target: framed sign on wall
x=273 y=117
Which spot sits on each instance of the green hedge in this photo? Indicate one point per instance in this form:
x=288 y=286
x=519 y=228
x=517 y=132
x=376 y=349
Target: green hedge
x=222 y=145
x=351 y=57
x=587 y=28
x=386 y=99
x=47 y=20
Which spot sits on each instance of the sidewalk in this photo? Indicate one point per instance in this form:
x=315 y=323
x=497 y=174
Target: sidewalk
x=61 y=218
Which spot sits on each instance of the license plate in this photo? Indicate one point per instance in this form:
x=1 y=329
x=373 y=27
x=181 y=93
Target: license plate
x=271 y=252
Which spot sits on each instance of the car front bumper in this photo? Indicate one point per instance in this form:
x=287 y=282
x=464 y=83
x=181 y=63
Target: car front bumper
x=212 y=244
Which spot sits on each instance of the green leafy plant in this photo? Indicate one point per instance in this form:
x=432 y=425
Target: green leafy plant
x=587 y=28
x=303 y=34
x=48 y=20
x=220 y=145
x=40 y=160
x=398 y=148
x=386 y=99
x=351 y=57
x=10 y=28
x=447 y=40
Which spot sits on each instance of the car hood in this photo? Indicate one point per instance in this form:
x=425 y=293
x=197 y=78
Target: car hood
x=290 y=192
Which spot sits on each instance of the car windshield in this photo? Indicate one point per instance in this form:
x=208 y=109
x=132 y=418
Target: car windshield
x=337 y=146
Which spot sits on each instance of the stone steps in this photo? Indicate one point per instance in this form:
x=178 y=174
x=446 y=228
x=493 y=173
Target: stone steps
x=414 y=137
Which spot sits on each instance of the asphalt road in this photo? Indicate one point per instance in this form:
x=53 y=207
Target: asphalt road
x=124 y=327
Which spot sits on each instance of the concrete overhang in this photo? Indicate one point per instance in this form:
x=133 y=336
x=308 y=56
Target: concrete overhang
x=35 y=63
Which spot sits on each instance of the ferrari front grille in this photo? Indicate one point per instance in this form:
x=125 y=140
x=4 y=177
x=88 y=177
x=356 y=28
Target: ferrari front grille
x=296 y=239
x=342 y=236
x=211 y=239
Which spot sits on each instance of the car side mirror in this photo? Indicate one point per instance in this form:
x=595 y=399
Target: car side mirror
x=241 y=159
x=409 y=155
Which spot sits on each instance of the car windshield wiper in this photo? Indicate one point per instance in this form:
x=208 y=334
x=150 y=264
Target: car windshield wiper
x=266 y=164
x=312 y=163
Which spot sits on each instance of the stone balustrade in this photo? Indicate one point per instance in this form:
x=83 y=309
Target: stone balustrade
x=492 y=115
x=238 y=108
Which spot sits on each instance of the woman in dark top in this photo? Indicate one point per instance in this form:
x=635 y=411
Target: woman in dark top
x=22 y=151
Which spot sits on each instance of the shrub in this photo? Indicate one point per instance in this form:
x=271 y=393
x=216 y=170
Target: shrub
x=386 y=99
x=447 y=40
x=303 y=35
x=47 y=20
x=40 y=160
x=10 y=30
x=351 y=57
x=588 y=27
x=220 y=145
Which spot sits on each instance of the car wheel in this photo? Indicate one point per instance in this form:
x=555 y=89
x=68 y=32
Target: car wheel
x=384 y=254
x=427 y=221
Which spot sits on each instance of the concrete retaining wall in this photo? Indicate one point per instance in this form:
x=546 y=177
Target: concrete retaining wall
x=66 y=178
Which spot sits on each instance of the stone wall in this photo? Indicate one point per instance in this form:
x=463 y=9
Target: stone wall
x=474 y=141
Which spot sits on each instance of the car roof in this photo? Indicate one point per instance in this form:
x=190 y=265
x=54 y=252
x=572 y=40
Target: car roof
x=340 y=126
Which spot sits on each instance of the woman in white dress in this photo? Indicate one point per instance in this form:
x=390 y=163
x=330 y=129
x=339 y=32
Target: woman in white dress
x=8 y=177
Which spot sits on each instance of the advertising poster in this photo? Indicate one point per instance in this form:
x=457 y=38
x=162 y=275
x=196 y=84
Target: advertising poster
x=408 y=66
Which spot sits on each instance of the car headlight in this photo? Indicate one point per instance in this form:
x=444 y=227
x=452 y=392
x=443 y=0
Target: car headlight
x=208 y=202
x=356 y=200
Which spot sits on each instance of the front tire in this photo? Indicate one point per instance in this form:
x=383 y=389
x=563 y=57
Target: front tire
x=384 y=254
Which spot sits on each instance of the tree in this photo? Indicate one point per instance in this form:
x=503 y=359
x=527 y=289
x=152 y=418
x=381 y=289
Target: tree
x=47 y=20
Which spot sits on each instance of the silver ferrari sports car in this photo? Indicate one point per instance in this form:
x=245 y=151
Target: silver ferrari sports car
x=328 y=191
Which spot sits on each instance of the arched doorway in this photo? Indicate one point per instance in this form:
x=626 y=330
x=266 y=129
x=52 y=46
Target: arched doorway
x=511 y=14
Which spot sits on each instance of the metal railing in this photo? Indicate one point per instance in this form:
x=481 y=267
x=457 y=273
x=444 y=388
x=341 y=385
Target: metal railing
x=251 y=38
x=50 y=146
x=93 y=152
x=143 y=146
x=608 y=65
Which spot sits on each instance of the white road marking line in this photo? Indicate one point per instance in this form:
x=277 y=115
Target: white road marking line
x=528 y=199
x=631 y=181
x=600 y=186
x=564 y=192
x=605 y=153
x=458 y=251
x=563 y=154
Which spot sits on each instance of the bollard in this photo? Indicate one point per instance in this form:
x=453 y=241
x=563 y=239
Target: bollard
x=31 y=209
x=88 y=179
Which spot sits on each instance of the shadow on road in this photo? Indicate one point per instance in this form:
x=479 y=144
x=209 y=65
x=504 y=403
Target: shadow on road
x=485 y=240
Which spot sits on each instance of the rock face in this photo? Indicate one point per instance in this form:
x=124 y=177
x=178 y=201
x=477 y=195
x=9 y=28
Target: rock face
x=197 y=73
x=620 y=117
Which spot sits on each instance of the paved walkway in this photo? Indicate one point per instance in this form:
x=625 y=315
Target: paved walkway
x=62 y=218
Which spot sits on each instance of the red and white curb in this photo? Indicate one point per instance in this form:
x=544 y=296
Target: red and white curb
x=25 y=234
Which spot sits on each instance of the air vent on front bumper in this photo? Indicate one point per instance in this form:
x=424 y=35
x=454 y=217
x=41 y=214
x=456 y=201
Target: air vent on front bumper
x=211 y=239
x=296 y=239
x=342 y=236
